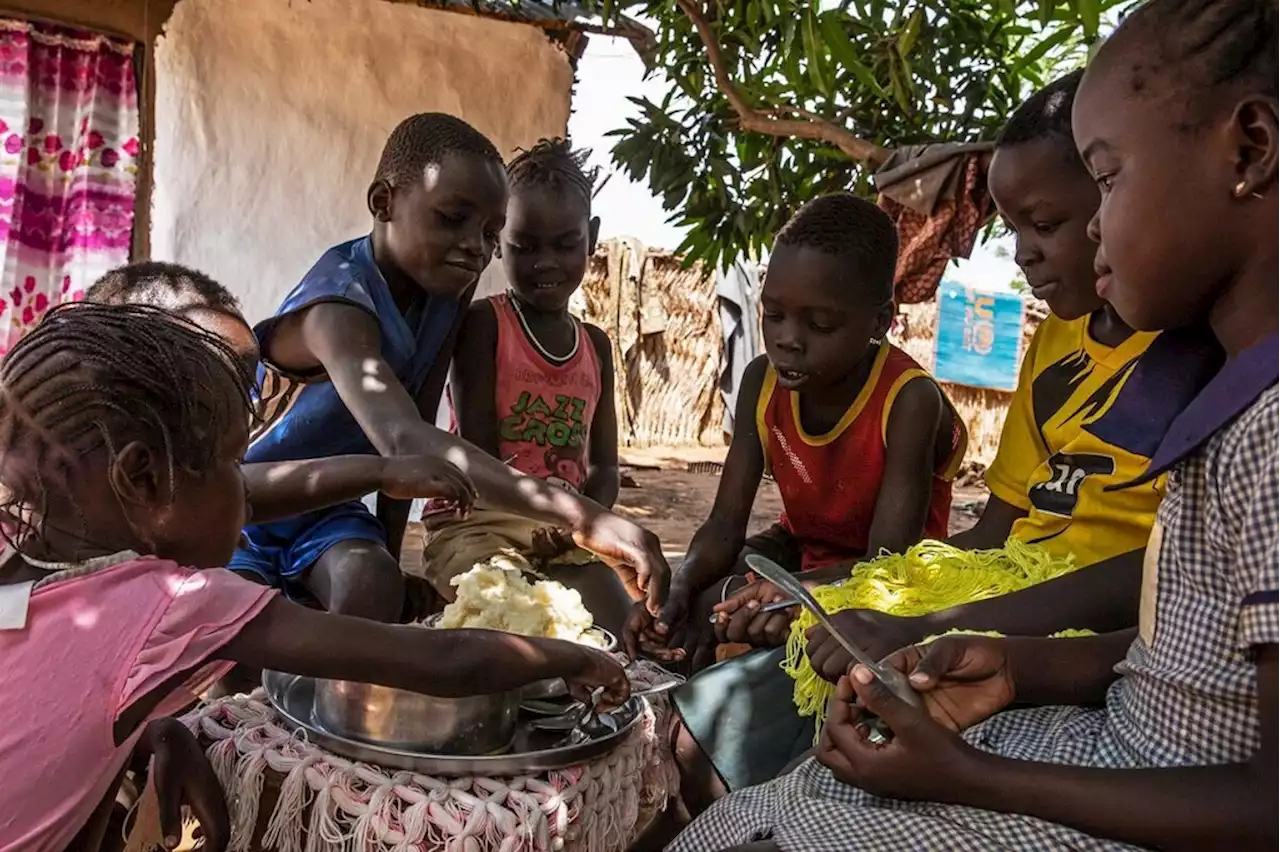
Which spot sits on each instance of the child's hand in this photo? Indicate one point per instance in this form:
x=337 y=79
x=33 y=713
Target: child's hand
x=925 y=760
x=962 y=679
x=183 y=777
x=587 y=669
x=411 y=477
x=738 y=619
x=634 y=553
x=550 y=543
x=875 y=633
x=640 y=637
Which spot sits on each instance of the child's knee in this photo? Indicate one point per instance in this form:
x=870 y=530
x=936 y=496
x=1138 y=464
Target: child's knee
x=359 y=578
x=685 y=748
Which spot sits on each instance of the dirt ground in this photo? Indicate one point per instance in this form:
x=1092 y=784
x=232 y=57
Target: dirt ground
x=671 y=492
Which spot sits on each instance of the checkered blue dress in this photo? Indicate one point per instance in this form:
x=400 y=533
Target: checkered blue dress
x=1188 y=695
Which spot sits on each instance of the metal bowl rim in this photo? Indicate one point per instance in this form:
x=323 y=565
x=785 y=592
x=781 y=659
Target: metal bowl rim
x=442 y=764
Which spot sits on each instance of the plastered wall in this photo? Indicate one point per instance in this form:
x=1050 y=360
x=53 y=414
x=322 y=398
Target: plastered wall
x=271 y=114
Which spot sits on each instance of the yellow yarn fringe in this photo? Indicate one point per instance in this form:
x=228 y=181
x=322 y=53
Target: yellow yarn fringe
x=929 y=577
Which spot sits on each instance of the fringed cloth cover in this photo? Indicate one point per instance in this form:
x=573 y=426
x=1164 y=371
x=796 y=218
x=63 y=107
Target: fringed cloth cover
x=327 y=802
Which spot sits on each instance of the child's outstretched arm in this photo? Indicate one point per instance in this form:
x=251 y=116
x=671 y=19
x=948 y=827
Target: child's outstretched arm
x=992 y=528
x=448 y=663
x=344 y=341
x=287 y=488
x=715 y=546
x=393 y=512
x=1226 y=806
x=604 y=479
x=1101 y=597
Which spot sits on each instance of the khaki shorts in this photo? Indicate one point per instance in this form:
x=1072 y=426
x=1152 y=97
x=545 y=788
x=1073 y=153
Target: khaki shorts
x=453 y=546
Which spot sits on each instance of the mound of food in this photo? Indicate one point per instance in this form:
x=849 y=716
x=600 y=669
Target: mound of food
x=496 y=595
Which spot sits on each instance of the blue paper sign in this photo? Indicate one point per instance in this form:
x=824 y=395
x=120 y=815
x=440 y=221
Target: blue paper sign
x=979 y=333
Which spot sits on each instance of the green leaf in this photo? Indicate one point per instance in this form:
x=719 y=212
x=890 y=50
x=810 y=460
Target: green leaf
x=720 y=167
x=1090 y=17
x=1035 y=54
x=910 y=33
x=813 y=54
x=1046 y=12
x=847 y=56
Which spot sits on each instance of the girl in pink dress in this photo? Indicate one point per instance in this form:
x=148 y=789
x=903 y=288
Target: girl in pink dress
x=121 y=434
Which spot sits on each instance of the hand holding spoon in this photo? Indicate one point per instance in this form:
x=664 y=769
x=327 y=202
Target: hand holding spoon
x=890 y=677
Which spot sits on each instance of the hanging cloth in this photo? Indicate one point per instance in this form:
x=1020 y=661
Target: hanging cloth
x=937 y=196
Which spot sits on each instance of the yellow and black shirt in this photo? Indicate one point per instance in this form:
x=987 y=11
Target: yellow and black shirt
x=1079 y=424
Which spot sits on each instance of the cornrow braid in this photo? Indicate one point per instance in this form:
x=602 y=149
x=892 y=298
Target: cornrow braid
x=553 y=163
x=1198 y=48
x=425 y=140
x=92 y=377
x=845 y=225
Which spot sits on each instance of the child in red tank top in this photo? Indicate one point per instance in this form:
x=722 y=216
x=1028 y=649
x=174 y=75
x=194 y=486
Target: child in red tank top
x=861 y=441
x=531 y=384
x=830 y=483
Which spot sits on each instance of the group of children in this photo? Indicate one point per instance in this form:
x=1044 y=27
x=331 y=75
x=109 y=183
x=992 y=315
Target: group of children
x=151 y=436
x=150 y=433
x=1142 y=443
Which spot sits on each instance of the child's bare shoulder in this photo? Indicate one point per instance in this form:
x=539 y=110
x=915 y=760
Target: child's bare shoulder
x=600 y=340
x=479 y=325
x=753 y=374
x=481 y=310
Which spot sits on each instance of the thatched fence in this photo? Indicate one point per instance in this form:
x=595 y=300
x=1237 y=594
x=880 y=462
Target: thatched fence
x=664 y=322
x=667 y=348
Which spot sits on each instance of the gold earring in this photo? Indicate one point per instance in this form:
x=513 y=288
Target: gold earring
x=1241 y=188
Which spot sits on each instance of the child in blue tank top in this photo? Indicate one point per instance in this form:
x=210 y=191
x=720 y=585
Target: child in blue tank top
x=355 y=360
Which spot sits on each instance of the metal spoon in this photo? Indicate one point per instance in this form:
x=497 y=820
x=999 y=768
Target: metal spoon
x=892 y=678
x=587 y=722
x=772 y=607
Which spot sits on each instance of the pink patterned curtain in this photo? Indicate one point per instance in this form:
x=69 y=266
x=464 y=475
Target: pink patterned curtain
x=68 y=155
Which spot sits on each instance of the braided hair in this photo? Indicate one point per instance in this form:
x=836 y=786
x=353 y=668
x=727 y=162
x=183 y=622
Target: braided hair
x=850 y=227
x=94 y=377
x=553 y=163
x=425 y=140
x=1194 y=51
x=171 y=286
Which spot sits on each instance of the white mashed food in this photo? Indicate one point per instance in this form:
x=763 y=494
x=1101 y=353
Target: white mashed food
x=497 y=596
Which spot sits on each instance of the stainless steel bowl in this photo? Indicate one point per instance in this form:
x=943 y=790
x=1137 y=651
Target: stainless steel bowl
x=410 y=721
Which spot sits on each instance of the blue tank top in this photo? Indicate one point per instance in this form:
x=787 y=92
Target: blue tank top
x=302 y=416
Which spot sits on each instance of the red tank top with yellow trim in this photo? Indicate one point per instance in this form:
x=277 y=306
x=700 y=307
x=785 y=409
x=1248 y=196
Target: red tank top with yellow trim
x=830 y=483
x=544 y=409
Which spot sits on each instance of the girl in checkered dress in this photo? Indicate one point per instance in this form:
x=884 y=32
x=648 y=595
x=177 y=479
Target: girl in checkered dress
x=1163 y=736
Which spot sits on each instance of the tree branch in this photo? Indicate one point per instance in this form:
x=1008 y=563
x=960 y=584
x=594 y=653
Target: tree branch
x=751 y=119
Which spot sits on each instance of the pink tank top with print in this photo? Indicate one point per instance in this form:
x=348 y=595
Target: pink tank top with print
x=544 y=409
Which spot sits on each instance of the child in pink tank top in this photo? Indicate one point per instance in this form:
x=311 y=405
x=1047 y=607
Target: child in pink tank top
x=532 y=384
x=121 y=431
x=545 y=404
